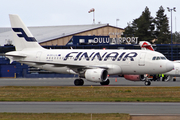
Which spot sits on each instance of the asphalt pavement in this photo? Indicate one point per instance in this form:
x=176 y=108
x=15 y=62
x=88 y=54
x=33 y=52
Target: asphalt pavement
x=133 y=108
x=119 y=81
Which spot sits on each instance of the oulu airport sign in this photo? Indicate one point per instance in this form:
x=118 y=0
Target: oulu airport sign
x=85 y=40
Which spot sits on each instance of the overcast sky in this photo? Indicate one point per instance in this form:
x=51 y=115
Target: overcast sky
x=75 y=12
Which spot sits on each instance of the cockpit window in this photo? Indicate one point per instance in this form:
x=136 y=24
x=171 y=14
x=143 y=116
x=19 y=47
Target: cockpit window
x=158 y=58
x=163 y=58
x=153 y=58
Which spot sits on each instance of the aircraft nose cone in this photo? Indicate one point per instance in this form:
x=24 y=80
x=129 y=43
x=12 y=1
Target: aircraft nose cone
x=169 y=66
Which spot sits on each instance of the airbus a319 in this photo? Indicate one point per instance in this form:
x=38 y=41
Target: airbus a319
x=93 y=65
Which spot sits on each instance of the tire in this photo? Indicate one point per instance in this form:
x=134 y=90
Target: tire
x=105 y=83
x=78 y=82
x=174 y=79
x=81 y=82
x=147 y=83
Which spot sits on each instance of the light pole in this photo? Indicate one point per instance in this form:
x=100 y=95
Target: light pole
x=170 y=10
x=117 y=22
x=116 y=28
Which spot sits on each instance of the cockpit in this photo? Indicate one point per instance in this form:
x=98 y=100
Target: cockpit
x=159 y=58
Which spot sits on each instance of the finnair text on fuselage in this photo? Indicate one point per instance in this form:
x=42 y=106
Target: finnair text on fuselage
x=115 y=56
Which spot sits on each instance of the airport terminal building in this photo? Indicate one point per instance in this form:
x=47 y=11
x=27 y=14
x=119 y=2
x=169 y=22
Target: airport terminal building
x=93 y=36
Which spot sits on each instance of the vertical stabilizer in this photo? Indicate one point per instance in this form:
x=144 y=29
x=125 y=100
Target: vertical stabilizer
x=22 y=36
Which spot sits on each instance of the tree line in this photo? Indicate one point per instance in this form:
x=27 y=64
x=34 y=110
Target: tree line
x=154 y=30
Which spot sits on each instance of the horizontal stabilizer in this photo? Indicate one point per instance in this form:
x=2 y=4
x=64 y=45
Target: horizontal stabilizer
x=14 y=55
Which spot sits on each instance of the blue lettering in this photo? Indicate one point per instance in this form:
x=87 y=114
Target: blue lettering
x=69 y=55
x=130 y=55
x=86 y=56
x=113 y=57
x=98 y=56
x=120 y=57
x=76 y=58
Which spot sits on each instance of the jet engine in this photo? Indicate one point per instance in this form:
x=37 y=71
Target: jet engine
x=135 y=77
x=96 y=75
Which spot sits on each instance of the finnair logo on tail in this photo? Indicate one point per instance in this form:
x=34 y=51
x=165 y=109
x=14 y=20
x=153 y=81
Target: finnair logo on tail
x=24 y=35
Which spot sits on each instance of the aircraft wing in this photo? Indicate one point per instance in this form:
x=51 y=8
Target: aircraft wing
x=57 y=64
x=69 y=65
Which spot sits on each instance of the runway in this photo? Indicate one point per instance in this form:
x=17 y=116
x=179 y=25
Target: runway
x=133 y=108
x=70 y=82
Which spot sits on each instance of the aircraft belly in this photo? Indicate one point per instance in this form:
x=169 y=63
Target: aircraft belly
x=56 y=69
x=172 y=72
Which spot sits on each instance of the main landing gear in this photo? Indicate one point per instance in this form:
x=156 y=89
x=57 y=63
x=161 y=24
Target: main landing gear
x=80 y=82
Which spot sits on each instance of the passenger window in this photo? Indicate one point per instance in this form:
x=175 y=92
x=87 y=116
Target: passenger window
x=153 y=58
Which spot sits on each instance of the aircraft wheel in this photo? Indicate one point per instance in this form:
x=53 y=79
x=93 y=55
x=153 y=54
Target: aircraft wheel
x=174 y=79
x=147 y=83
x=78 y=82
x=105 y=83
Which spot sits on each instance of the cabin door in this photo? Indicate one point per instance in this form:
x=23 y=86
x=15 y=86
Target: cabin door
x=38 y=55
x=142 y=59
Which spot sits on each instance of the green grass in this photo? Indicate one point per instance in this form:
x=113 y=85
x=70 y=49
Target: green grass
x=106 y=94
x=63 y=116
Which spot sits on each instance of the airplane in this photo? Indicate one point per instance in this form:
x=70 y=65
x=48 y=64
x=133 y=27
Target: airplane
x=175 y=72
x=92 y=64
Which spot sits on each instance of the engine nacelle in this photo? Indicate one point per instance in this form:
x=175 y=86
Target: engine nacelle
x=96 y=75
x=134 y=77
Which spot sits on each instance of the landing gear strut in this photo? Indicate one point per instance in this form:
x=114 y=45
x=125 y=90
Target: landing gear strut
x=78 y=82
x=147 y=82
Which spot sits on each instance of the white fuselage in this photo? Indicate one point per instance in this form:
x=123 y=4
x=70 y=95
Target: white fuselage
x=116 y=61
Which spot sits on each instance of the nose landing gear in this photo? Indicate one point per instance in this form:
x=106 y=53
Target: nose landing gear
x=147 y=83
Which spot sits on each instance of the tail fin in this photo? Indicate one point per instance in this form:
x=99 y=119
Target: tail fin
x=21 y=34
x=146 y=45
